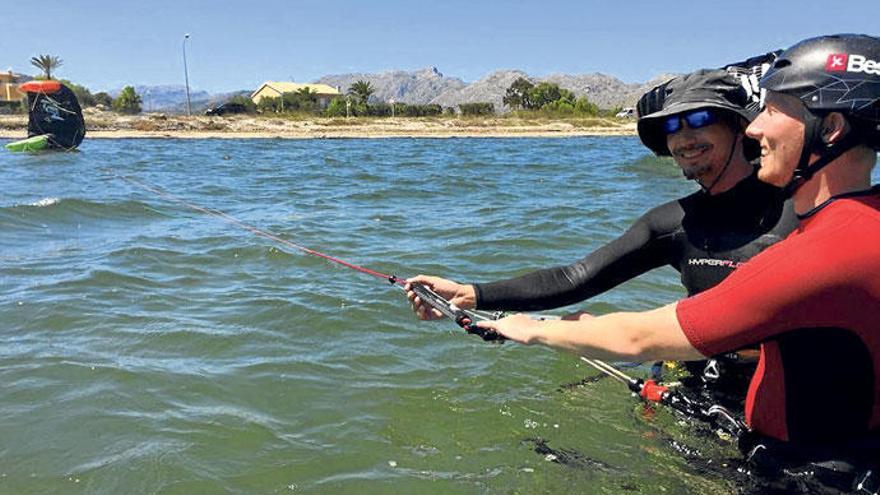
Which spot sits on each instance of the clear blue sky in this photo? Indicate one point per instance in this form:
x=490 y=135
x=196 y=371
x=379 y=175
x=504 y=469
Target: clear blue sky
x=237 y=45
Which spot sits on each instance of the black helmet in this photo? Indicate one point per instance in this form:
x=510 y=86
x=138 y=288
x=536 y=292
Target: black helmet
x=717 y=89
x=837 y=73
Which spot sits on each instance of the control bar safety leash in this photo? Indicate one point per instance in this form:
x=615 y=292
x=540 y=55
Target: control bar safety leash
x=652 y=391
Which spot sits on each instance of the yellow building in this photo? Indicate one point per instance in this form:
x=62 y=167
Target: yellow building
x=274 y=89
x=9 y=88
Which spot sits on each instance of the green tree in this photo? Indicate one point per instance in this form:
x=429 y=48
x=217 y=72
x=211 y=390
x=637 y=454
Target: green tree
x=307 y=94
x=517 y=95
x=361 y=90
x=46 y=63
x=307 y=100
x=82 y=93
x=290 y=102
x=336 y=108
x=558 y=107
x=103 y=98
x=128 y=101
x=249 y=105
x=302 y=100
x=546 y=92
x=479 y=108
x=585 y=106
x=269 y=104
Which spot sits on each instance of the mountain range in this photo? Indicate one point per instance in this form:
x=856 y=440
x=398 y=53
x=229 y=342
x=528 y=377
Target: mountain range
x=424 y=86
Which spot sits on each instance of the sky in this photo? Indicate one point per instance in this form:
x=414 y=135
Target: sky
x=238 y=45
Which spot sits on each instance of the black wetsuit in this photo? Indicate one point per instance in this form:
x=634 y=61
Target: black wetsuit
x=705 y=237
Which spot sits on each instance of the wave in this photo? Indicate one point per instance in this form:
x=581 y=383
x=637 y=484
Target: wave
x=45 y=202
x=63 y=210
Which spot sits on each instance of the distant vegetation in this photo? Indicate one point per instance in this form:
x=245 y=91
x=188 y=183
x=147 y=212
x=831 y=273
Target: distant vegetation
x=247 y=103
x=302 y=101
x=547 y=98
x=344 y=107
x=128 y=101
x=523 y=98
x=477 y=108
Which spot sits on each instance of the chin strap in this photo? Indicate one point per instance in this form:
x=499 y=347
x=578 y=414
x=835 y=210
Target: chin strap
x=828 y=152
x=718 y=177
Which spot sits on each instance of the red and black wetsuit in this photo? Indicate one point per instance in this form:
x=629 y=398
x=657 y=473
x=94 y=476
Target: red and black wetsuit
x=813 y=304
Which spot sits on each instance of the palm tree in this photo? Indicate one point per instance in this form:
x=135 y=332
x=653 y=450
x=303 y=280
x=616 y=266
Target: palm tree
x=361 y=90
x=46 y=63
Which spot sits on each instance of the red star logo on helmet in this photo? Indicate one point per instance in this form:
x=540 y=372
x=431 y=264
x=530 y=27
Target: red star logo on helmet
x=836 y=62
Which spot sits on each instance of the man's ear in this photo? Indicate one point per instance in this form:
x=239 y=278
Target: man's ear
x=834 y=127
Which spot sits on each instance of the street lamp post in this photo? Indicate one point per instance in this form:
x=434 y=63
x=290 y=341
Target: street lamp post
x=186 y=76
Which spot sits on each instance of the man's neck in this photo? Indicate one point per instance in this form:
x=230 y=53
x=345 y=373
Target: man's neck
x=849 y=173
x=738 y=170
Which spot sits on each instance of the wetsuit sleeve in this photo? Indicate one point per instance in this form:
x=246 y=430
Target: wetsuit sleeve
x=790 y=285
x=646 y=245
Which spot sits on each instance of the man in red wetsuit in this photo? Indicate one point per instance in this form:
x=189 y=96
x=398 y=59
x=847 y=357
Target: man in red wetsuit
x=812 y=300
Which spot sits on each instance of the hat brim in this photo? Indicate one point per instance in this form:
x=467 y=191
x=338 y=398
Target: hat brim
x=650 y=127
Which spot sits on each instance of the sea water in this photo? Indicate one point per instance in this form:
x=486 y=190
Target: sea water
x=152 y=349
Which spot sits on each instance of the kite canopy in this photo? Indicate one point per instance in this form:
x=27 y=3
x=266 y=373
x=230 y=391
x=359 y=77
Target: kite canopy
x=47 y=87
x=54 y=110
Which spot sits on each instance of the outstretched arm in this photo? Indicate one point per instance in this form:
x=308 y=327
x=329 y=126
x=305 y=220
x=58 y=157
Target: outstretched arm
x=644 y=336
x=645 y=246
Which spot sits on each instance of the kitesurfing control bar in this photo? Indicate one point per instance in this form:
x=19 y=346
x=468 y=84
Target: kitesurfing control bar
x=462 y=318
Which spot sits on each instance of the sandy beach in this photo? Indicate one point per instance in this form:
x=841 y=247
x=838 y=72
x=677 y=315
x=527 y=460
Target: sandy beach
x=102 y=124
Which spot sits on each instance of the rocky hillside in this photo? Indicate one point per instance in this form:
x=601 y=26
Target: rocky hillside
x=603 y=90
x=414 y=87
x=430 y=86
x=488 y=89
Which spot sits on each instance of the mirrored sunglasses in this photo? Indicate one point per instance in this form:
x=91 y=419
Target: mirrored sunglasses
x=694 y=119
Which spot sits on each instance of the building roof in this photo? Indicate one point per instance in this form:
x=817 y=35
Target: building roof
x=280 y=87
x=10 y=77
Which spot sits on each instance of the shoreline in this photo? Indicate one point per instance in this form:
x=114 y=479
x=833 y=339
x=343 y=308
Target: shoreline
x=331 y=135
x=106 y=125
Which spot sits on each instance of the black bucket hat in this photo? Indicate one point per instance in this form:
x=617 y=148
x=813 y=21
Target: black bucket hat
x=716 y=89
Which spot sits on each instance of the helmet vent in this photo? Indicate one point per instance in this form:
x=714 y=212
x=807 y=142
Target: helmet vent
x=783 y=62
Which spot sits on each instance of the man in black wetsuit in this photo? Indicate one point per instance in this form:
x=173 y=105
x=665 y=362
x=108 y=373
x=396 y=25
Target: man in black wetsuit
x=704 y=236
